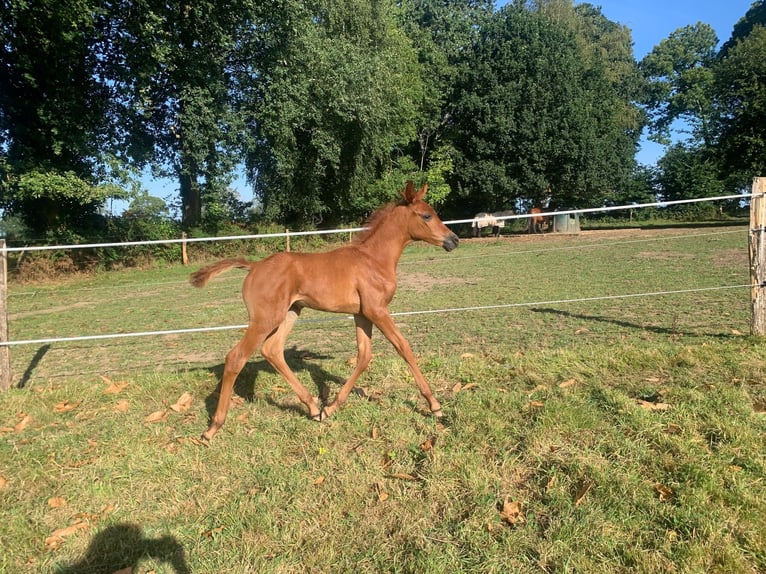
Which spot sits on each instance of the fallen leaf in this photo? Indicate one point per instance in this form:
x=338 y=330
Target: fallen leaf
x=66 y=406
x=650 y=406
x=56 y=502
x=56 y=539
x=115 y=388
x=210 y=533
x=469 y=386
x=374 y=433
x=456 y=388
x=467 y=356
x=381 y=492
x=157 y=416
x=319 y=480
x=428 y=444
x=3 y=482
x=23 y=423
x=674 y=429
x=401 y=476
x=736 y=333
x=243 y=417
x=582 y=493
x=582 y=331
x=536 y=404
x=122 y=406
x=664 y=492
x=568 y=383
x=511 y=512
x=182 y=404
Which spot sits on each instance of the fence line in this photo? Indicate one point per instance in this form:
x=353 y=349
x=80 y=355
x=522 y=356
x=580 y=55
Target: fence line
x=452 y=257
x=741 y=197
x=397 y=314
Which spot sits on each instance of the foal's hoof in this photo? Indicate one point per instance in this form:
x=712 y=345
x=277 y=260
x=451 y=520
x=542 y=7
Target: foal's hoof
x=438 y=413
x=321 y=416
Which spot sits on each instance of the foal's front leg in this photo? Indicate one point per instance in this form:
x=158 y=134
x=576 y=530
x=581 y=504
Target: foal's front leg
x=363 y=356
x=385 y=323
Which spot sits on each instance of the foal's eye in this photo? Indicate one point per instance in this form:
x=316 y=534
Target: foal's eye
x=427 y=217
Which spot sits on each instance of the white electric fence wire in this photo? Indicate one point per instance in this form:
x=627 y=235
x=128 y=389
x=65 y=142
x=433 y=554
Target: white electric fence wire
x=740 y=197
x=398 y=314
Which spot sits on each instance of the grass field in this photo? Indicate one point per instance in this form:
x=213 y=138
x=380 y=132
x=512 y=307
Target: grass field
x=605 y=435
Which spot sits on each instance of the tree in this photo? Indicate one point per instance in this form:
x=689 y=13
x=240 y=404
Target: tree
x=336 y=97
x=538 y=117
x=55 y=114
x=680 y=75
x=176 y=86
x=741 y=101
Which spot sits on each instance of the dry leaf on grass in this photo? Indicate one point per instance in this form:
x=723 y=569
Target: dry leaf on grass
x=157 y=416
x=3 y=482
x=182 y=404
x=381 y=492
x=583 y=492
x=402 y=476
x=122 y=406
x=56 y=539
x=511 y=512
x=568 y=383
x=56 y=502
x=428 y=444
x=212 y=532
x=319 y=481
x=664 y=492
x=112 y=387
x=66 y=406
x=23 y=423
x=650 y=406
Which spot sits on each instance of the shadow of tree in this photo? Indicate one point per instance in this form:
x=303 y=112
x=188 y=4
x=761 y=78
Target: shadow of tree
x=298 y=361
x=623 y=323
x=120 y=547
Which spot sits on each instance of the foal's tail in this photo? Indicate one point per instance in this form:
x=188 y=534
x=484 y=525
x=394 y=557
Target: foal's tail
x=201 y=277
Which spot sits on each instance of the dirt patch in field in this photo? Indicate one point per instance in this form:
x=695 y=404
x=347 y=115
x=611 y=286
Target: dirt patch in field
x=423 y=282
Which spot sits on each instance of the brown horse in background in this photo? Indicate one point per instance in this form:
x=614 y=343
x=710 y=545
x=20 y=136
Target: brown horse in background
x=359 y=278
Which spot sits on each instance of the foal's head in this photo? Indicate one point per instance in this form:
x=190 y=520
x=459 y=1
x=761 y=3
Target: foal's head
x=423 y=224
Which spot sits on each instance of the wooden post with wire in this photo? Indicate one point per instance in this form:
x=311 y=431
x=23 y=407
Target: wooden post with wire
x=287 y=240
x=5 y=351
x=757 y=249
x=184 y=254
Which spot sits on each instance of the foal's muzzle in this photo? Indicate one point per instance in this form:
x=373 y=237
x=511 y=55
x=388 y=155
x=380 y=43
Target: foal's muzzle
x=450 y=242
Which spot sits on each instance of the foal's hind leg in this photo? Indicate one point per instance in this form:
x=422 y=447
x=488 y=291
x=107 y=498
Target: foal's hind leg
x=273 y=350
x=364 y=354
x=235 y=360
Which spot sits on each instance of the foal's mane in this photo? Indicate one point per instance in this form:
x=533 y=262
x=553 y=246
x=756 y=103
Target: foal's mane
x=374 y=220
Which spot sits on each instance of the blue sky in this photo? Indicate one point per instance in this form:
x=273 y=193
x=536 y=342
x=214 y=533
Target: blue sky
x=650 y=22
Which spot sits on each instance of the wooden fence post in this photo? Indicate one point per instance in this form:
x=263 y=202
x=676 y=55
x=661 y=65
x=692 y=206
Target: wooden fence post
x=757 y=249
x=184 y=255
x=287 y=240
x=5 y=351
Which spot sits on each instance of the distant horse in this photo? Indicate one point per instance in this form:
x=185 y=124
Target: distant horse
x=359 y=279
x=482 y=220
x=537 y=223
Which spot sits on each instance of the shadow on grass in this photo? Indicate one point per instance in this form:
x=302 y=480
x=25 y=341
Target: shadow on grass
x=297 y=360
x=626 y=324
x=41 y=352
x=121 y=547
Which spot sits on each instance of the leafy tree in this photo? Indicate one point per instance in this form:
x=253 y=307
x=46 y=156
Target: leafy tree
x=688 y=172
x=538 y=116
x=55 y=114
x=740 y=79
x=176 y=86
x=339 y=85
x=680 y=75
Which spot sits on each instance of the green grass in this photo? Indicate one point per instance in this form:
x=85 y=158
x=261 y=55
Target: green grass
x=629 y=431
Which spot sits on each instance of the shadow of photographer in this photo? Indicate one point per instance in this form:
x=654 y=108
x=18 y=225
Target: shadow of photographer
x=120 y=547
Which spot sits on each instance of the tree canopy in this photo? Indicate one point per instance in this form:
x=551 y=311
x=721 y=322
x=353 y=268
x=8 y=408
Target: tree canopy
x=329 y=106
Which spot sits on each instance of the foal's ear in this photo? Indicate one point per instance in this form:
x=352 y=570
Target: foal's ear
x=411 y=195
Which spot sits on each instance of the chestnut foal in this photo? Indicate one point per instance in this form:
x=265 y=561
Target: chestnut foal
x=359 y=279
